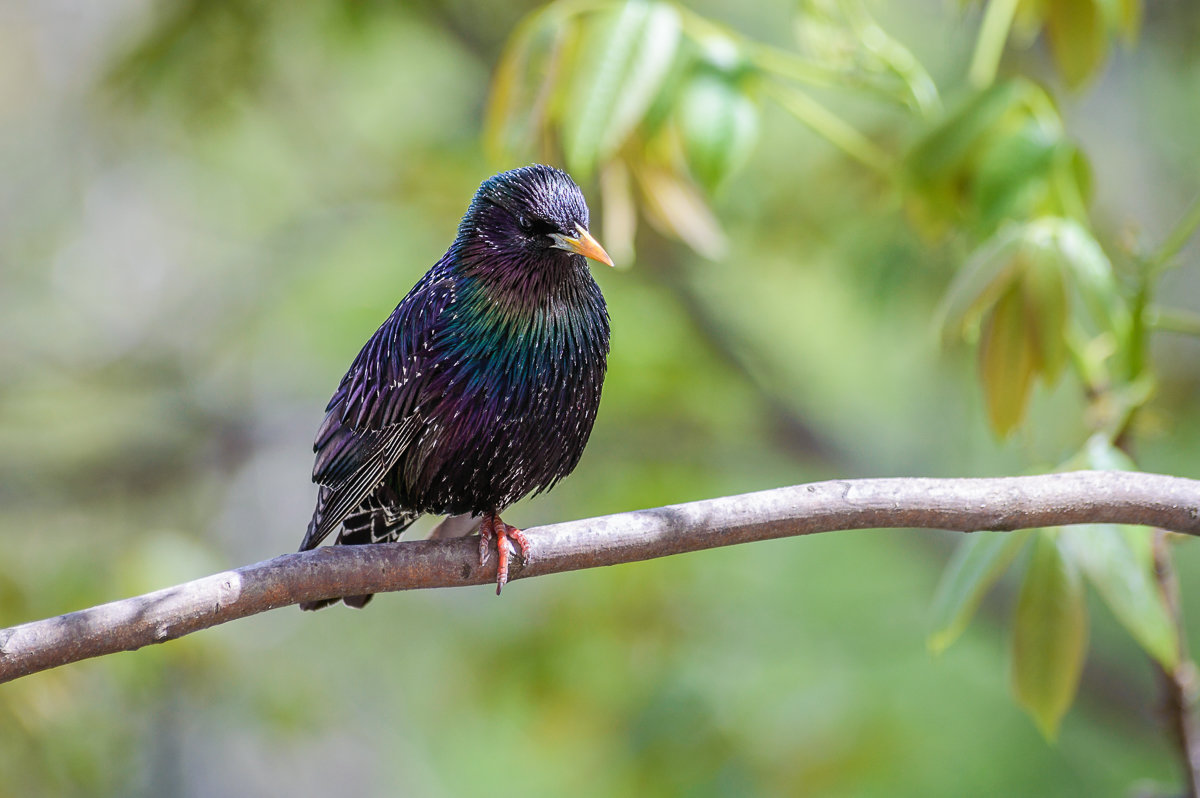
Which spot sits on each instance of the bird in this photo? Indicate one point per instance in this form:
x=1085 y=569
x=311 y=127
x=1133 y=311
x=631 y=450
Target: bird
x=481 y=387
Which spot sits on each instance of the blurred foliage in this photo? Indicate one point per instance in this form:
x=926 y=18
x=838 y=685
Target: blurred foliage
x=1079 y=33
x=209 y=205
x=650 y=88
x=653 y=90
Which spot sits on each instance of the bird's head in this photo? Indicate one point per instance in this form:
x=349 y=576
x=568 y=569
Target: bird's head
x=535 y=214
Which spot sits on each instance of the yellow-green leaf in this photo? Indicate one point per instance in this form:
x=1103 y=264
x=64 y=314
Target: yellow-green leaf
x=1117 y=561
x=1046 y=306
x=619 y=217
x=1049 y=636
x=518 y=103
x=977 y=563
x=675 y=206
x=1129 y=19
x=1007 y=359
x=1028 y=21
x=1078 y=172
x=624 y=57
x=1078 y=39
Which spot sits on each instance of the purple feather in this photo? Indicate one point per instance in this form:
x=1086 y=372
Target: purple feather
x=483 y=384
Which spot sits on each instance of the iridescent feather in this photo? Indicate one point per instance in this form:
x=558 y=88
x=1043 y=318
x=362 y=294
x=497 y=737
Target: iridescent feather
x=483 y=384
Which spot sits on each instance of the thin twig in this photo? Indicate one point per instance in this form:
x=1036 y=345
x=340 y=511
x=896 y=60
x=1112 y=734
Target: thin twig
x=831 y=127
x=1178 y=237
x=1177 y=684
x=956 y=504
x=989 y=48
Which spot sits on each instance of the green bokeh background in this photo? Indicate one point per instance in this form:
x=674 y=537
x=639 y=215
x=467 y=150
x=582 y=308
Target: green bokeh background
x=202 y=218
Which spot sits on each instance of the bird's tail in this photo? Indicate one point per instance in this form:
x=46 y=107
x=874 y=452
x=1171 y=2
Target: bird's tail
x=375 y=521
x=313 y=535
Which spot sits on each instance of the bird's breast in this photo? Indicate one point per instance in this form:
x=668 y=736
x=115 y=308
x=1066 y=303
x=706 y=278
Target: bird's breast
x=515 y=404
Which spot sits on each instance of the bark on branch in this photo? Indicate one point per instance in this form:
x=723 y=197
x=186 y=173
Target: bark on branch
x=965 y=505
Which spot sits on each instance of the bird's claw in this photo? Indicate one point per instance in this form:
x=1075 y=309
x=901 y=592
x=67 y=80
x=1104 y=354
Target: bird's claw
x=485 y=544
x=504 y=535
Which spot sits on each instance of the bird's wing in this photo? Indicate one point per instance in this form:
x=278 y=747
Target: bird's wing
x=376 y=412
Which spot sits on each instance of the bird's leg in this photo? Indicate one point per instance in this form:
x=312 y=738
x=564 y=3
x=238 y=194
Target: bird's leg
x=492 y=528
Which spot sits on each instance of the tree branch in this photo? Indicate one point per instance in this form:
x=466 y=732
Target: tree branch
x=1008 y=503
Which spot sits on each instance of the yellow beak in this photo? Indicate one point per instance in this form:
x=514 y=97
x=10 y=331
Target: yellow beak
x=583 y=244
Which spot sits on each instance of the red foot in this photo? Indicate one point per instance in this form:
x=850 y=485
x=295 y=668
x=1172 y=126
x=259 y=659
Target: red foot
x=492 y=528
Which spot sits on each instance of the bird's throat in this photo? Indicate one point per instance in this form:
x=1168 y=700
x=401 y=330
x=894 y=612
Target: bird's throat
x=530 y=289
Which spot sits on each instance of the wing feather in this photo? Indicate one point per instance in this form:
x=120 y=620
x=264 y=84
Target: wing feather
x=375 y=413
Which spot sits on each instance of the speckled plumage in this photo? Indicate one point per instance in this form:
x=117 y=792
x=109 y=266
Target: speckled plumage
x=482 y=385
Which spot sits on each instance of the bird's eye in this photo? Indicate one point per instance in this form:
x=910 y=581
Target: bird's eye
x=525 y=223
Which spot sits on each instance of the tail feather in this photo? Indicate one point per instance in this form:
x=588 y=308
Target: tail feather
x=313 y=536
x=357 y=602
x=376 y=520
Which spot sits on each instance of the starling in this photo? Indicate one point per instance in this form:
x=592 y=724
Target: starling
x=483 y=384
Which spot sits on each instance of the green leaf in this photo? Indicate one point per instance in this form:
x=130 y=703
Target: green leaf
x=718 y=125
x=980 y=282
x=662 y=108
x=1090 y=270
x=1008 y=360
x=1101 y=455
x=943 y=152
x=1080 y=173
x=1078 y=39
x=1118 y=562
x=624 y=58
x=977 y=563
x=1049 y=636
x=1012 y=175
x=943 y=168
